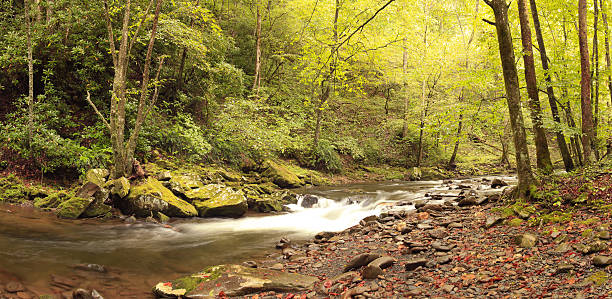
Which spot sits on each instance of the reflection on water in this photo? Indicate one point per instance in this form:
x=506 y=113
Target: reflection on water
x=33 y=244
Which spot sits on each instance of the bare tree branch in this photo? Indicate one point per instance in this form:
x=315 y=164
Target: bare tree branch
x=111 y=35
x=98 y=111
x=144 y=17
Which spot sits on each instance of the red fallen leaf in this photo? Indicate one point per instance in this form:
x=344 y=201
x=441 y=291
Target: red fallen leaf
x=222 y=294
x=167 y=284
x=327 y=284
x=218 y=285
x=290 y=296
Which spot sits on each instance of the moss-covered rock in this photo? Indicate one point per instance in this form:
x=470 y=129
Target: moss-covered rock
x=233 y=281
x=227 y=203
x=281 y=175
x=120 y=187
x=150 y=197
x=52 y=201
x=97 y=176
x=180 y=184
x=204 y=193
x=73 y=207
x=265 y=203
x=414 y=174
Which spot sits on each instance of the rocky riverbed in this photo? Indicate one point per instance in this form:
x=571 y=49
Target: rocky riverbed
x=470 y=246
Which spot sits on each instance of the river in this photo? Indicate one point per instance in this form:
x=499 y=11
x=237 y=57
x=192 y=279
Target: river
x=43 y=252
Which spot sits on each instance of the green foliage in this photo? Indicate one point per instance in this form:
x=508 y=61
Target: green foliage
x=325 y=157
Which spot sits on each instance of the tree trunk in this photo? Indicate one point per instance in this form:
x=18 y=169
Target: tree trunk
x=513 y=96
x=595 y=78
x=257 y=52
x=406 y=98
x=542 y=154
x=604 y=18
x=123 y=151
x=585 y=83
x=424 y=100
x=451 y=162
x=28 y=17
x=565 y=153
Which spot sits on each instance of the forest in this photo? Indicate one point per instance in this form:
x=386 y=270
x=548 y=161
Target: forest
x=153 y=117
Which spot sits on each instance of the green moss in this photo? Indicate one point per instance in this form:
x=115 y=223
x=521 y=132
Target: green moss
x=281 y=176
x=516 y=222
x=152 y=196
x=52 y=201
x=97 y=176
x=12 y=190
x=73 y=207
x=598 y=278
x=227 y=203
x=588 y=233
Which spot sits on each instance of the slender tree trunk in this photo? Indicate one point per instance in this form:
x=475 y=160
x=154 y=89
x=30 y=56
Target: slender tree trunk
x=327 y=85
x=49 y=11
x=513 y=96
x=424 y=100
x=542 y=153
x=604 y=18
x=565 y=153
x=257 y=51
x=28 y=18
x=451 y=163
x=595 y=78
x=406 y=98
x=585 y=83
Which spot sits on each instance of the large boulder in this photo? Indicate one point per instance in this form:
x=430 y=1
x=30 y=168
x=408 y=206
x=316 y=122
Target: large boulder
x=281 y=175
x=180 y=184
x=52 y=201
x=265 y=203
x=233 y=281
x=203 y=193
x=151 y=196
x=226 y=203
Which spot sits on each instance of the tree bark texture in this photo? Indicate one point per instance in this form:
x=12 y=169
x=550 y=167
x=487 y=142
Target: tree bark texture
x=585 y=83
x=28 y=19
x=604 y=19
x=257 y=79
x=552 y=101
x=542 y=153
x=513 y=96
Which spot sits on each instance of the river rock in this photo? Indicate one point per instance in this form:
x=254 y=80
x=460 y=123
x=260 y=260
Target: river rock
x=360 y=260
x=371 y=272
x=233 y=280
x=526 y=240
x=415 y=263
x=497 y=183
x=602 y=261
x=265 y=203
x=383 y=262
x=97 y=176
x=308 y=201
x=150 y=197
x=120 y=187
x=281 y=175
x=492 y=220
x=14 y=287
x=73 y=207
x=181 y=184
x=227 y=203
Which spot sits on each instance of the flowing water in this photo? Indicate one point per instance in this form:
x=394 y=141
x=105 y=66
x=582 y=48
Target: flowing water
x=36 y=245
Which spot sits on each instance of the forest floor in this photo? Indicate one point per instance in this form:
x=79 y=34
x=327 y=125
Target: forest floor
x=494 y=250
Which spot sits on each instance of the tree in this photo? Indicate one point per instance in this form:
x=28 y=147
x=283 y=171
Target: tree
x=552 y=100
x=123 y=149
x=585 y=83
x=542 y=153
x=513 y=96
x=257 y=80
x=604 y=19
x=28 y=19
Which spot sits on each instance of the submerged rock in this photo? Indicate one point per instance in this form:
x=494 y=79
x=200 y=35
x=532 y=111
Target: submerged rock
x=226 y=203
x=151 y=196
x=233 y=280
